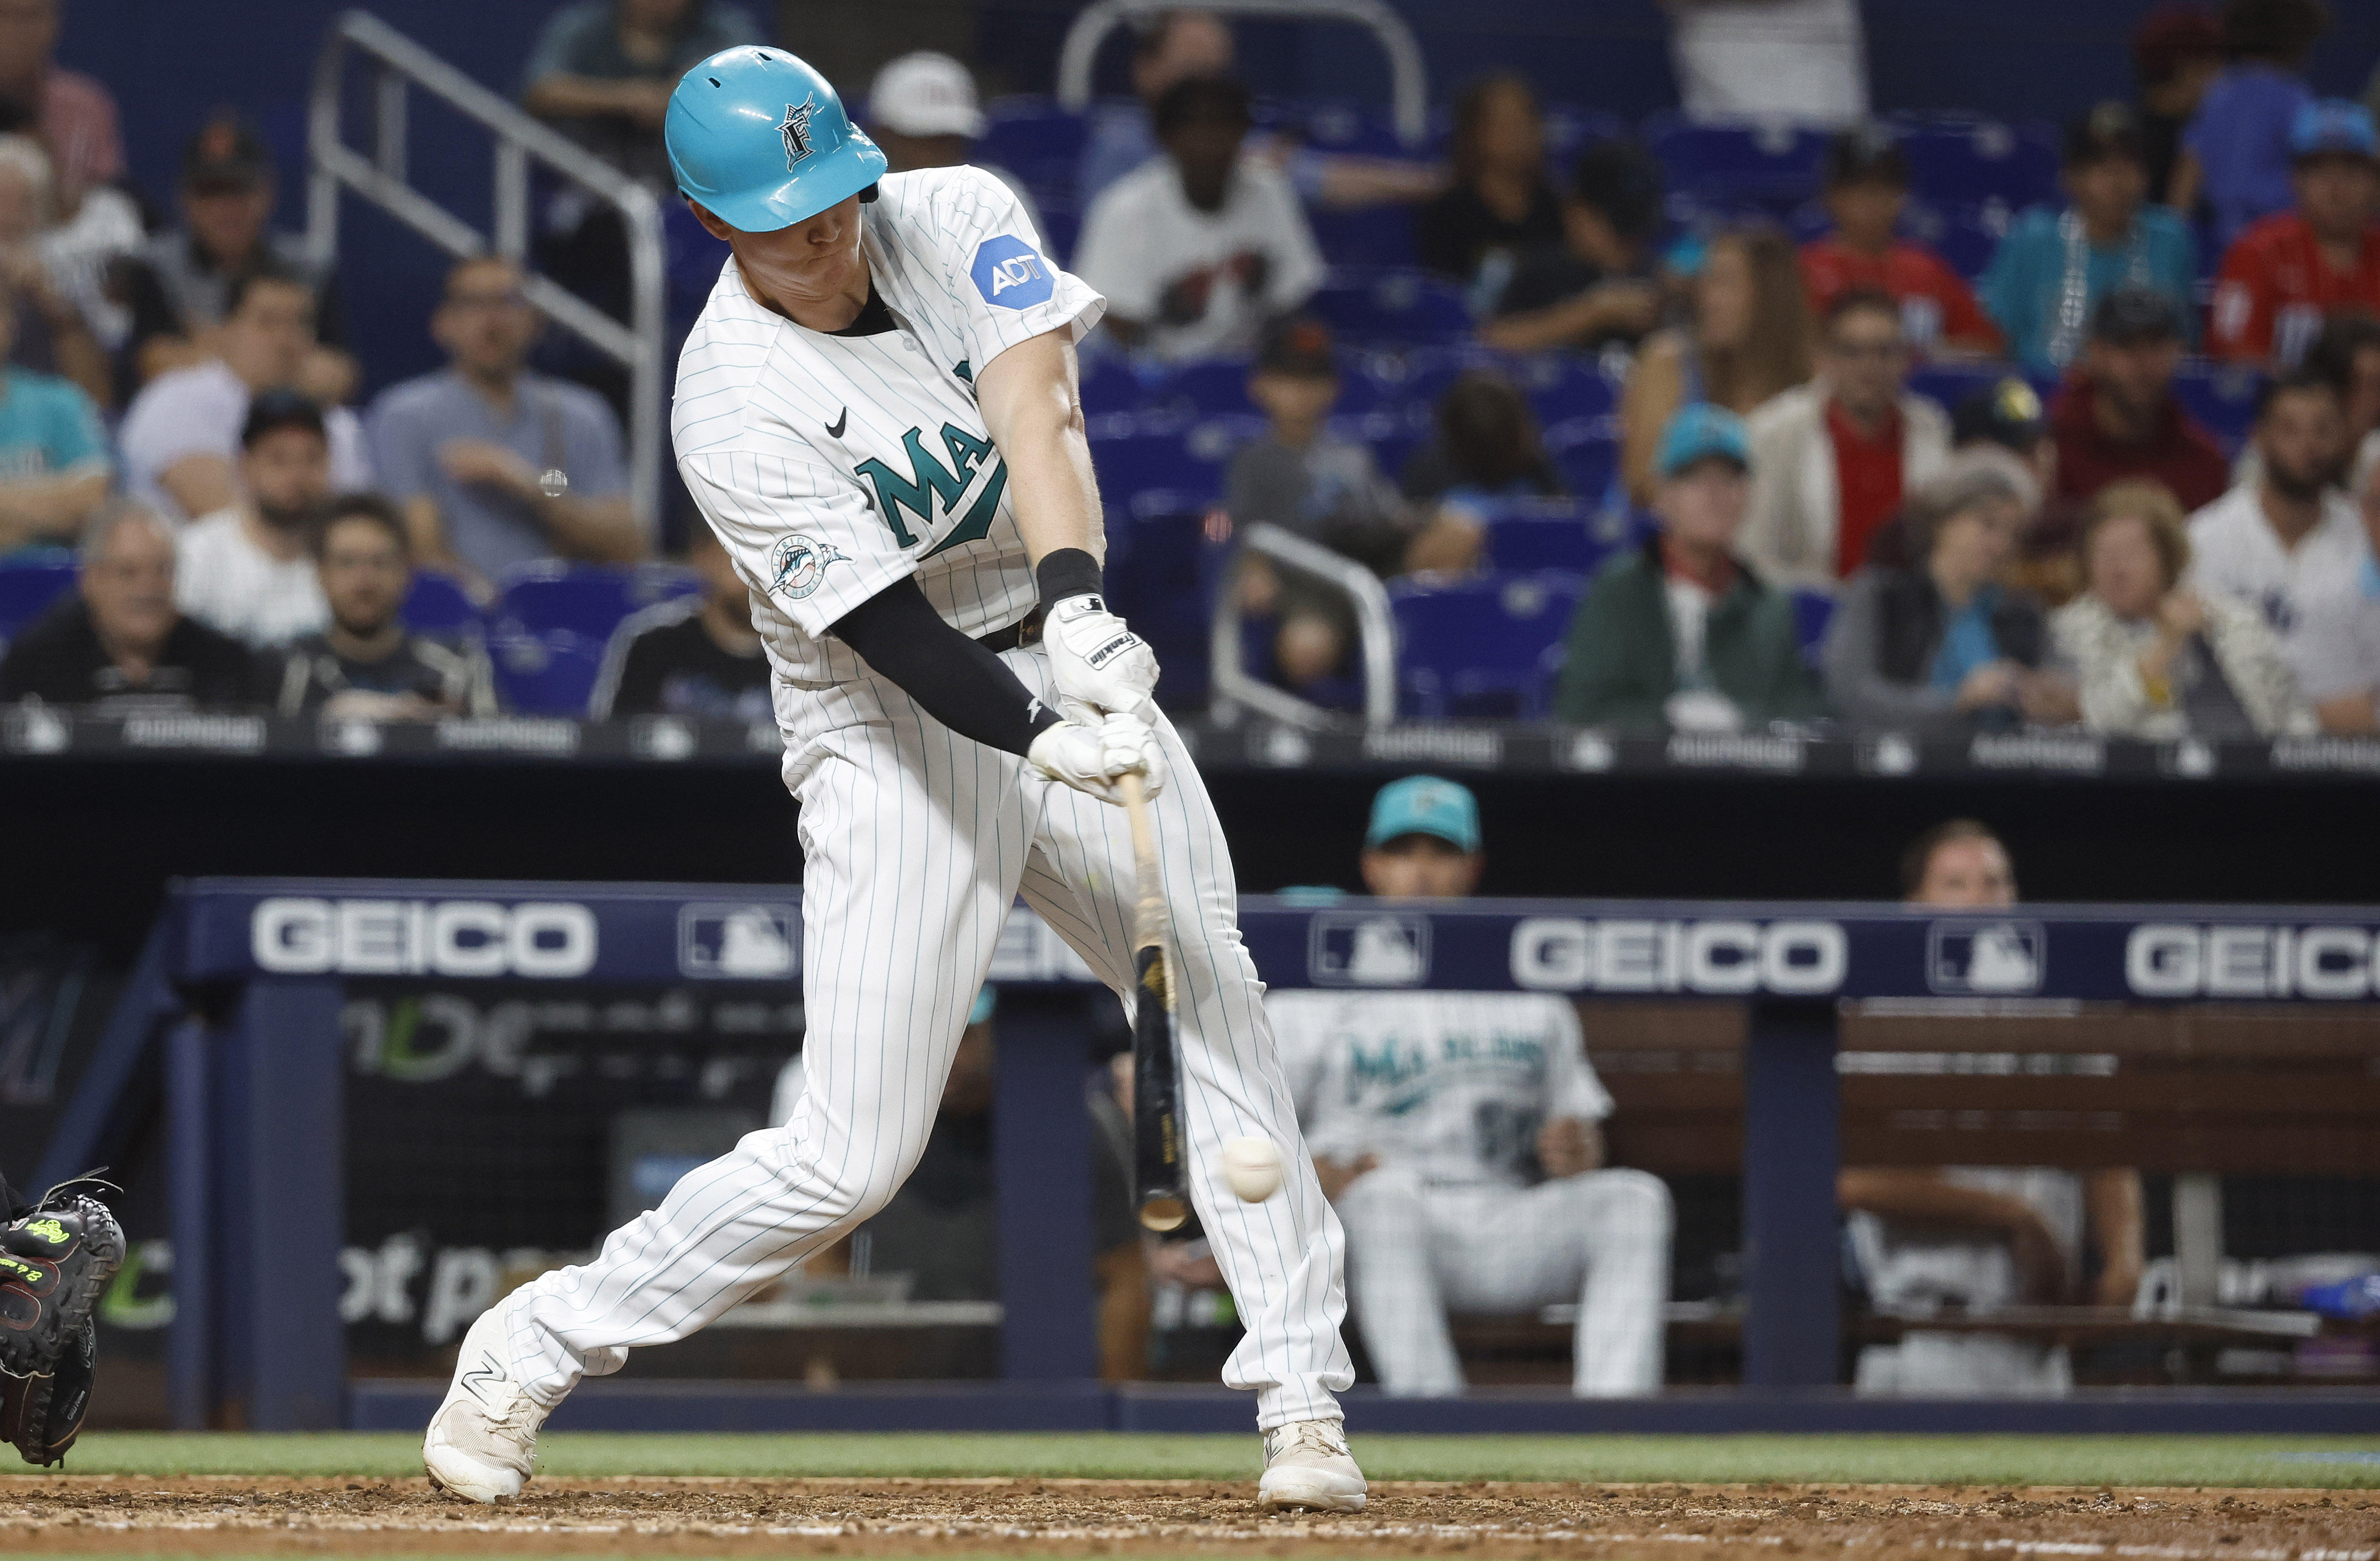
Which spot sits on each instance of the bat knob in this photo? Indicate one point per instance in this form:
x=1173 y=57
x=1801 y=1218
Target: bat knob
x=1163 y=1213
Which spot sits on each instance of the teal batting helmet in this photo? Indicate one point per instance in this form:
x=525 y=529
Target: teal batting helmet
x=760 y=140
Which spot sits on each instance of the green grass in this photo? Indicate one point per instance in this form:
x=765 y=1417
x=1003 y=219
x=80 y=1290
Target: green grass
x=2337 y=1462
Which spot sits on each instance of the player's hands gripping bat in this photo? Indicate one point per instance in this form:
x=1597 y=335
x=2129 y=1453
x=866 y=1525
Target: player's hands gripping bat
x=1098 y=662
x=1158 y=1183
x=1089 y=756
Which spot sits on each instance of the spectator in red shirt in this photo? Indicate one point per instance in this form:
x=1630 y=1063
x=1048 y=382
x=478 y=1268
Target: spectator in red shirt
x=1868 y=186
x=2288 y=274
x=2118 y=417
x=1831 y=459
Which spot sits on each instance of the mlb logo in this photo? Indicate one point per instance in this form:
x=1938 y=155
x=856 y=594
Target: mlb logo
x=738 y=942
x=1368 y=948
x=1986 y=958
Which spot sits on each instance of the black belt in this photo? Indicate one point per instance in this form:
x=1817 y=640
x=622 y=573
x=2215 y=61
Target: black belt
x=1024 y=632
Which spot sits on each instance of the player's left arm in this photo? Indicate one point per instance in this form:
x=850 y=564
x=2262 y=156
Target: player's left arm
x=1031 y=400
x=1571 y=1142
x=2112 y=1199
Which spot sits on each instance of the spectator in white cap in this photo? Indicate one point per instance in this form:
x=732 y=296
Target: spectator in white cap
x=922 y=112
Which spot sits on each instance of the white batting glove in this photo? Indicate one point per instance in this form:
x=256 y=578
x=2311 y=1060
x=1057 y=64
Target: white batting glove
x=1089 y=757
x=1098 y=662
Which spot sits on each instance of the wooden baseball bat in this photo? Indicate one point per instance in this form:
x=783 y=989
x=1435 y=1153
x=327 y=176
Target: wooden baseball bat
x=1158 y=1192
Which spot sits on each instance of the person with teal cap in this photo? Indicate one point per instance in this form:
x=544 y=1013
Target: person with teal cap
x=1680 y=634
x=1459 y=1133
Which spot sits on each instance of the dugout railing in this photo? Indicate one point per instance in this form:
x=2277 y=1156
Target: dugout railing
x=232 y=1021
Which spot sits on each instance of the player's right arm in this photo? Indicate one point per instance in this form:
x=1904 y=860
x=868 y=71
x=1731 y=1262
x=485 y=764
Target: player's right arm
x=807 y=540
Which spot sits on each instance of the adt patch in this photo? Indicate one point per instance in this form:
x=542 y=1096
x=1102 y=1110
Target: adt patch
x=1010 y=274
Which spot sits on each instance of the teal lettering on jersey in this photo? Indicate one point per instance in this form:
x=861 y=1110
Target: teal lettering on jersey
x=931 y=485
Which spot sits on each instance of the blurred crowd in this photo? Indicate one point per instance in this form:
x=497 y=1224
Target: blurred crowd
x=1806 y=536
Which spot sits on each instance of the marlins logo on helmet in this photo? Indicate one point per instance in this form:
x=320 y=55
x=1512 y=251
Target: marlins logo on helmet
x=796 y=129
x=799 y=564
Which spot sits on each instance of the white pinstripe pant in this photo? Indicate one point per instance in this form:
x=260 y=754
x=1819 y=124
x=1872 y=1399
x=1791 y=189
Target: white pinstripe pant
x=915 y=842
x=1416 y=1250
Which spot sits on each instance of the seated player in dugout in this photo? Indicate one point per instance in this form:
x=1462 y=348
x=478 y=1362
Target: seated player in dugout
x=1981 y=1237
x=1459 y=1134
x=878 y=413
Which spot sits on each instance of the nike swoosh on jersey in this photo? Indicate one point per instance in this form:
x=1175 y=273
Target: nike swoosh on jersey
x=835 y=430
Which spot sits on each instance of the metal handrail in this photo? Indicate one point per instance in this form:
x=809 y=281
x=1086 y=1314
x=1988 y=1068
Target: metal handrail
x=1408 y=77
x=1375 y=635
x=381 y=178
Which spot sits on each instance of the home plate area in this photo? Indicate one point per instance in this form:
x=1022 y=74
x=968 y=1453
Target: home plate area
x=224 y=1516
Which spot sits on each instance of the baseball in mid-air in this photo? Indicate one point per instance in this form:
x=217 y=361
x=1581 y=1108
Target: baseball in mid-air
x=1252 y=1166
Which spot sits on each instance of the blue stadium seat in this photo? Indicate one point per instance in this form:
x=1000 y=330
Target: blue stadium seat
x=587 y=600
x=29 y=583
x=1060 y=225
x=1543 y=536
x=1418 y=378
x=1036 y=141
x=1476 y=647
x=545 y=674
x=1586 y=450
x=1968 y=242
x=1562 y=385
x=1136 y=455
x=1773 y=167
x=1960 y=161
x=1206 y=387
x=691 y=259
x=1813 y=611
x=1346 y=127
x=438 y=605
x=1393 y=307
x=2222 y=396
x=1110 y=385
x=1569 y=129
x=1162 y=574
x=1367 y=235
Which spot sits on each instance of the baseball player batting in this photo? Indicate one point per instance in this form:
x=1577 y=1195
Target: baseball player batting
x=878 y=414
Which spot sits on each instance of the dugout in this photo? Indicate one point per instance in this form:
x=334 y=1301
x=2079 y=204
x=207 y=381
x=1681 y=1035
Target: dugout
x=1735 y=1036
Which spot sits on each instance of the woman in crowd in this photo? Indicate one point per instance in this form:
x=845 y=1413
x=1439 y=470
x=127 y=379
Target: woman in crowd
x=1501 y=199
x=1749 y=338
x=2154 y=658
x=1941 y=648
x=1486 y=447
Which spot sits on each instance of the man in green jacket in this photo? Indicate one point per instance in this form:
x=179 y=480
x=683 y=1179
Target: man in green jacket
x=1679 y=634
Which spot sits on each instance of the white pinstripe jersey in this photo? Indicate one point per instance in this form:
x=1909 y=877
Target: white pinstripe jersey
x=831 y=466
x=1454 y=1084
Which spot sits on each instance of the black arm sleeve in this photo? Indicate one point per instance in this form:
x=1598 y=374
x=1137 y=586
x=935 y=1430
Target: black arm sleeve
x=959 y=683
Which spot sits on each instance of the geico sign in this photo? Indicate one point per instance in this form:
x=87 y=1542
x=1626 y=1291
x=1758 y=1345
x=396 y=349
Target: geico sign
x=293 y=936
x=2171 y=960
x=1564 y=954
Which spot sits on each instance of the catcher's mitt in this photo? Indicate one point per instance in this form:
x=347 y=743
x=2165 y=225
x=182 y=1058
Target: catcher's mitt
x=54 y=1264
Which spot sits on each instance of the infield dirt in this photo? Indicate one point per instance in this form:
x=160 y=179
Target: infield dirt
x=228 y=1515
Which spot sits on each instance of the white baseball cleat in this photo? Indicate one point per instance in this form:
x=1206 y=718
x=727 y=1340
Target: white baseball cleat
x=482 y=1441
x=1307 y=1466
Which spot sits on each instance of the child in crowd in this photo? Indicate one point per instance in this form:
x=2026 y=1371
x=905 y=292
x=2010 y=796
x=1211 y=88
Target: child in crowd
x=2054 y=267
x=1867 y=190
x=1329 y=490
